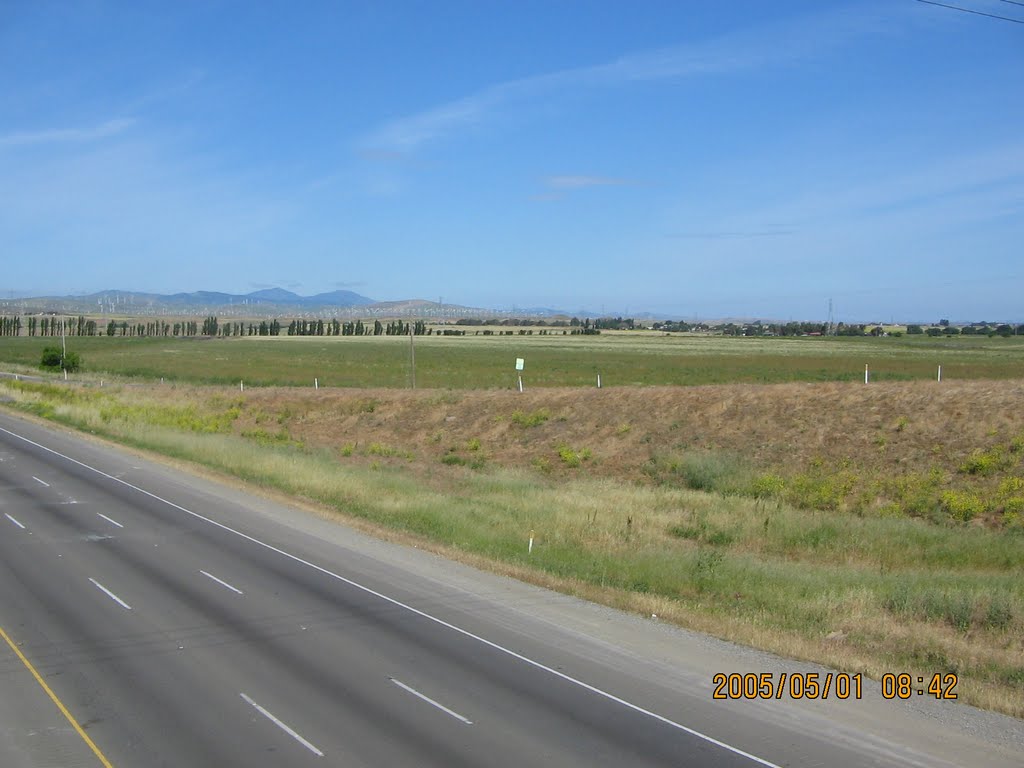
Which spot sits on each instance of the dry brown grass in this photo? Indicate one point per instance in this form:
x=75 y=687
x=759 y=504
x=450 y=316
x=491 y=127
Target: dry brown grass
x=875 y=431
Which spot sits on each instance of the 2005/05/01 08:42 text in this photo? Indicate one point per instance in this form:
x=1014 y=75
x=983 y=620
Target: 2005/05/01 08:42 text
x=840 y=685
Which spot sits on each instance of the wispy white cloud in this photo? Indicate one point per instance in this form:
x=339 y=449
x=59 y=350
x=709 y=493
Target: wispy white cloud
x=776 y=43
x=557 y=187
x=67 y=135
x=991 y=176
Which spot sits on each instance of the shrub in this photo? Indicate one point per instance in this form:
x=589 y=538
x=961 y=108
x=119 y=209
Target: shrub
x=51 y=358
x=534 y=419
x=984 y=463
x=54 y=360
x=767 y=486
x=962 y=506
x=818 y=491
x=573 y=458
x=541 y=464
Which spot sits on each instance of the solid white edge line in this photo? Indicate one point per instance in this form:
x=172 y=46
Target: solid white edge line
x=398 y=603
x=110 y=520
x=430 y=701
x=283 y=726
x=111 y=595
x=222 y=583
x=43 y=482
x=14 y=521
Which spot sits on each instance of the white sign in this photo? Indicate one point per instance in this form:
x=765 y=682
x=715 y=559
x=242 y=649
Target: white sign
x=520 y=363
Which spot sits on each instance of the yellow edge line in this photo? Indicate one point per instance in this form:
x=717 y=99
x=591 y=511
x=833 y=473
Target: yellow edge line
x=58 y=702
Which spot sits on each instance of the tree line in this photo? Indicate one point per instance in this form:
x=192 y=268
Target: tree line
x=53 y=325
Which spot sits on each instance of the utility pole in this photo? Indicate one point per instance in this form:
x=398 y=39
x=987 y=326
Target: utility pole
x=412 y=356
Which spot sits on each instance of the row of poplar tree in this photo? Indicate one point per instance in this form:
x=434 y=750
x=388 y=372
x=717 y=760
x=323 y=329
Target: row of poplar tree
x=47 y=325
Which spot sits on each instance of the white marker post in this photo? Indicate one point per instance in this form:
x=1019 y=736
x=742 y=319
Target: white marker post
x=520 y=364
x=529 y=549
x=316 y=383
x=599 y=381
x=940 y=375
x=241 y=386
x=865 y=373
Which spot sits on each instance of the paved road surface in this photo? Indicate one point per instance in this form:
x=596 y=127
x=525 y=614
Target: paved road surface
x=183 y=623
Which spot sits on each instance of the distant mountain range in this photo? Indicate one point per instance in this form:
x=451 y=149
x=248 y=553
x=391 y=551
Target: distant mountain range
x=275 y=296
x=272 y=302
x=268 y=302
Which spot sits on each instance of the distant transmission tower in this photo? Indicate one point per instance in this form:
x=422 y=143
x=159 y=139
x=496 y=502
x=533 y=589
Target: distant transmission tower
x=831 y=325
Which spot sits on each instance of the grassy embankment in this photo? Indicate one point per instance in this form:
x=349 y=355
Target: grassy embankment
x=843 y=537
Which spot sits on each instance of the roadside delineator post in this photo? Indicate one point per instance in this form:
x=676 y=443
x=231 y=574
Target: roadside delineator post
x=865 y=373
x=940 y=374
x=241 y=386
x=599 y=381
x=316 y=383
x=529 y=549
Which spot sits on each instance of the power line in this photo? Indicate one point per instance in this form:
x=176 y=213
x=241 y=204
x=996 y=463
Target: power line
x=977 y=13
x=1013 y=2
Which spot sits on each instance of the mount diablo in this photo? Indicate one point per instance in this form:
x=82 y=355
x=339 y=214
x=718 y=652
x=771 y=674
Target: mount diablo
x=216 y=299
x=268 y=302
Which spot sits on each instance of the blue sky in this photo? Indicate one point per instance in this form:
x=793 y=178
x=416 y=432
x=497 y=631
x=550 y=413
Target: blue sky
x=702 y=159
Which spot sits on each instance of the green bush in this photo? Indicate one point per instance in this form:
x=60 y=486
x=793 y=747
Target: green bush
x=534 y=419
x=767 y=486
x=54 y=360
x=984 y=463
x=573 y=458
x=962 y=506
x=51 y=359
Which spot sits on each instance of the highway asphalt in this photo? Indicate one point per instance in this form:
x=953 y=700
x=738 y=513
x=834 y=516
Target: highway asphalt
x=181 y=622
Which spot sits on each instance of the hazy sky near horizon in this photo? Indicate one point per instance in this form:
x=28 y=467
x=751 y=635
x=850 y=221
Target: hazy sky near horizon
x=703 y=159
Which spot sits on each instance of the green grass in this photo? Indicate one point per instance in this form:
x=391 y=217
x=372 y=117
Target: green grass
x=488 y=362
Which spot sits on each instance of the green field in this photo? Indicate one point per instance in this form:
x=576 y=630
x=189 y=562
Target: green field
x=488 y=362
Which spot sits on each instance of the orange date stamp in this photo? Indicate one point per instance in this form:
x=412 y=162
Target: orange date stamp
x=791 y=685
x=735 y=686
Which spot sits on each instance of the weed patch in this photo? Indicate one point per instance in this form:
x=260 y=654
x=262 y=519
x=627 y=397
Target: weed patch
x=532 y=419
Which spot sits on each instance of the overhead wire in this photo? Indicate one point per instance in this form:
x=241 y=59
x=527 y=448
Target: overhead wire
x=977 y=13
